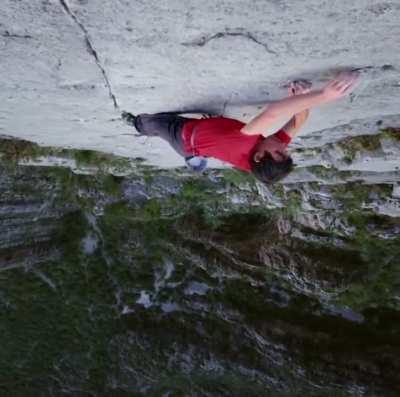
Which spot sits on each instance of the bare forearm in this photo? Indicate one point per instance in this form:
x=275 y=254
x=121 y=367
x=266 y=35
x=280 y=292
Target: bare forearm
x=337 y=88
x=285 y=107
x=295 y=104
x=293 y=126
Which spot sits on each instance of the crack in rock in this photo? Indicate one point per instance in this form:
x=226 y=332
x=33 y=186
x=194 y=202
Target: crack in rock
x=6 y=33
x=91 y=50
x=225 y=104
x=247 y=35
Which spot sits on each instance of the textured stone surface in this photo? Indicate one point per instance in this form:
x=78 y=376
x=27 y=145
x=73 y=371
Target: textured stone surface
x=162 y=284
x=68 y=67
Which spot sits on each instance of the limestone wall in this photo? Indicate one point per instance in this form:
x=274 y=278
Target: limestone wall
x=68 y=67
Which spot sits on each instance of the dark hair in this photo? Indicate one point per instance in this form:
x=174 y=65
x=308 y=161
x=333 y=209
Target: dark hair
x=269 y=170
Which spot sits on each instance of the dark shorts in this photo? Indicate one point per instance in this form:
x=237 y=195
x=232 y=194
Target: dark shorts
x=167 y=126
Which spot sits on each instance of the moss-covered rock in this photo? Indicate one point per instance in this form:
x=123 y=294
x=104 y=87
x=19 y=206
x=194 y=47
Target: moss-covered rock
x=194 y=285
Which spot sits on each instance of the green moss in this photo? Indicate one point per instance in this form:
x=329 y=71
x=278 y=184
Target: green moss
x=309 y=152
x=348 y=158
x=359 y=144
x=195 y=190
x=71 y=326
x=103 y=162
x=237 y=178
x=147 y=172
x=391 y=133
x=353 y=195
x=322 y=172
x=331 y=174
x=111 y=184
x=73 y=229
x=278 y=190
x=13 y=150
x=151 y=210
x=294 y=201
x=378 y=290
x=45 y=328
x=118 y=211
x=381 y=281
x=90 y=158
x=248 y=300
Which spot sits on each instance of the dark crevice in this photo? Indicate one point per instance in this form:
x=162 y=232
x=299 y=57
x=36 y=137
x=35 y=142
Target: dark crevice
x=205 y=39
x=91 y=50
x=224 y=108
x=6 y=33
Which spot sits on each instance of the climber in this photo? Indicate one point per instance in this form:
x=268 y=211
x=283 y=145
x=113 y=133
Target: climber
x=244 y=145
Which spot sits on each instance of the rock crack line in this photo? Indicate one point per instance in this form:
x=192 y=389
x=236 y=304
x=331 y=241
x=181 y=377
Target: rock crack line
x=247 y=35
x=91 y=50
x=6 y=33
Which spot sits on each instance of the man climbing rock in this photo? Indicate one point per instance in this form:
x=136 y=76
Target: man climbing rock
x=244 y=145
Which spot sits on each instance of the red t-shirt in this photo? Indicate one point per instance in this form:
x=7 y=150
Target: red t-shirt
x=220 y=137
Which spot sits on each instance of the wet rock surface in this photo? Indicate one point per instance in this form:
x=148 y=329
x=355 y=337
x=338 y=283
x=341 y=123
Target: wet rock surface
x=121 y=279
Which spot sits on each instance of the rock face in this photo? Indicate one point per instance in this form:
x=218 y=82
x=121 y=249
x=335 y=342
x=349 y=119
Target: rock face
x=120 y=279
x=69 y=67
